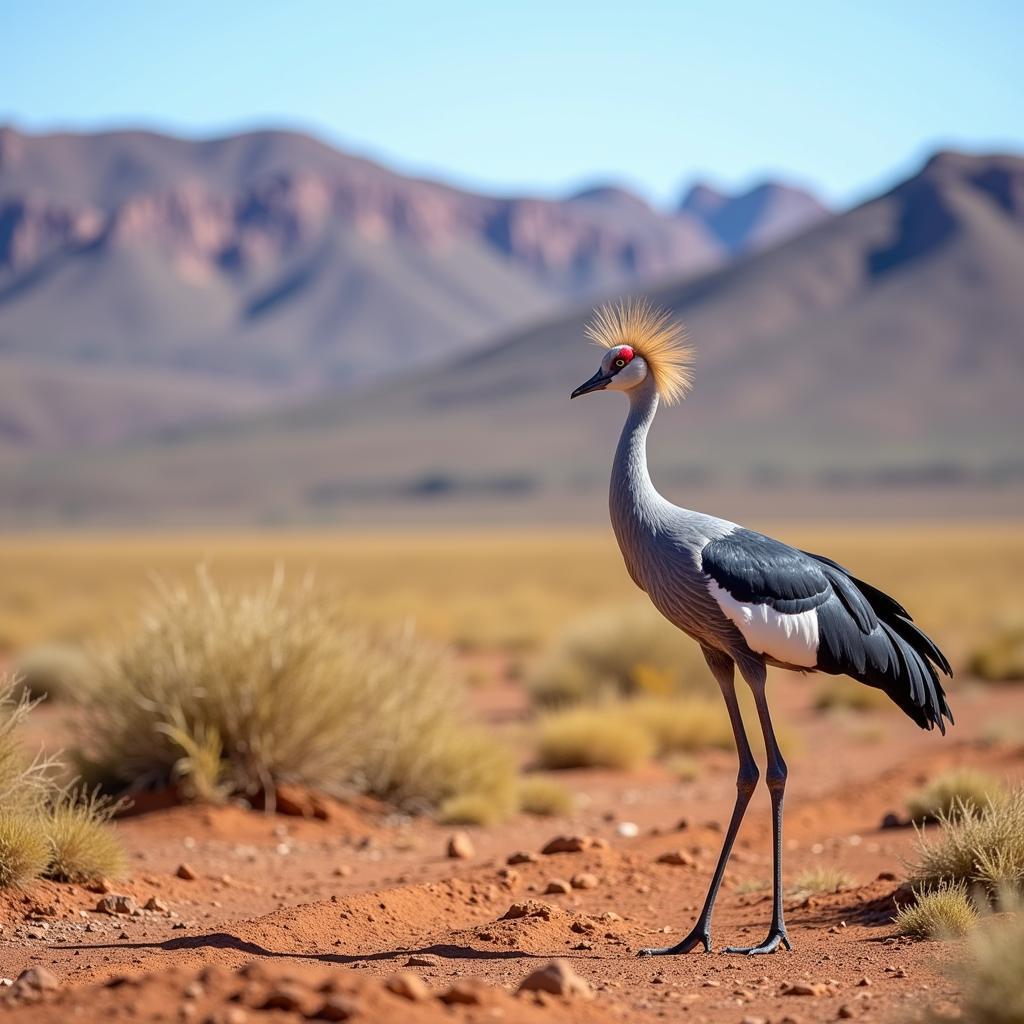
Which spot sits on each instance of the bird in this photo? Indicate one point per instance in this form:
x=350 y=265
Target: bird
x=748 y=600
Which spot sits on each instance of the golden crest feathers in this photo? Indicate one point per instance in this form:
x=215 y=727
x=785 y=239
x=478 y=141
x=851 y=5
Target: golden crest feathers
x=653 y=334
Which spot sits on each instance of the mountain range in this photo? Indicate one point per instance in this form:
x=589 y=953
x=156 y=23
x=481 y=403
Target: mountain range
x=148 y=281
x=872 y=363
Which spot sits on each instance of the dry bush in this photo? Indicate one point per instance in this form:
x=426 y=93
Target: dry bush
x=683 y=725
x=984 y=848
x=24 y=849
x=962 y=791
x=472 y=809
x=821 y=879
x=544 y=797
x=235 y=691
x=1001 y=658
x=54 y=671
x=990 y=977
x=842 y=693
x=82 y=846
x=683 y=767
x=622 y=652
x=592 y=738
x=944 y=912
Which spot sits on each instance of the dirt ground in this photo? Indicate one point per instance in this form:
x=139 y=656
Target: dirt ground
x=290 y=918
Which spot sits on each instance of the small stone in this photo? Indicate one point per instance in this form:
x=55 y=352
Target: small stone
x=712 y=983
x=235 y=1015
x=508 y=875
x=557 y=886
x=754 y=1020
x=117 y=905
x=864 y=982
x=336 y=1008
x=845 y=1012
x=423 y=960
x=465 y=992
x=284 y=997
x=522 y=857
x=155 y=903
x=683 y=824
x=566 y=844
x=892 y=820
x=408 y=986
x=187 y=872
x=99 y=885
x=558 y=978
x=193 y=990
x=678 y=857
x=886 y=876
x=627 y=829
x=342 y=871
x=528 y=908
x=36 y=981
x=804 y=988
x=460 y=846
x=584 y=880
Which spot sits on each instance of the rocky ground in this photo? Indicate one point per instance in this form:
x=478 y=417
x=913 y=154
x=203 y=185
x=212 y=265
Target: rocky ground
x=354 y=913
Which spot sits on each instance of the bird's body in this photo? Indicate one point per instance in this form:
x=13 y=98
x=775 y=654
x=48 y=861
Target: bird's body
x=750 y=601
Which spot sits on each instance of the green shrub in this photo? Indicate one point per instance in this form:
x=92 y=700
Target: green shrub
x=236 y=692
x=622 y=652
x=544 y=797
x=592 y=738
x=944 y=912
x=963 y=791
x=985 y=848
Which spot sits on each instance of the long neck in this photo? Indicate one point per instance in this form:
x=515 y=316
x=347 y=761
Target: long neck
x=634 y=501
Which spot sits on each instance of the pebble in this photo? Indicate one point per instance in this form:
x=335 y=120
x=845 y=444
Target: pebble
x=754 y=1020
x=155 y=903
x=566 y=844
x=558 y=978
x=336 y=1008
x=408 y=986
x=117 y=905
x=804 y=988
x=558 y=885
x=584 y=880
x=627 y=829
x=678 y=857
x=522 y=857
x=465 y=992
x=845 y=1012
x=284 y=997
x=423 y=960
x=460 y=846
x=187 y=872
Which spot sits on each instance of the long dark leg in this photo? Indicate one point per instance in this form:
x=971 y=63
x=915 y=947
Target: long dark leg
x=776 y=778
x=721 y=666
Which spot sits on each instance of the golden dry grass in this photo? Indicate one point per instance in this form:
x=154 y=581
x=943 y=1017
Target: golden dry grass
x=592 y=738
x=82 y=845
x=544 y=797
x=841 y=693
x=961 y=791
x=24 y=849
x=944 y=912
x=821 y=879
x=999 y=657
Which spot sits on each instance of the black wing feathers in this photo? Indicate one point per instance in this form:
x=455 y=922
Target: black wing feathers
x=862 y=632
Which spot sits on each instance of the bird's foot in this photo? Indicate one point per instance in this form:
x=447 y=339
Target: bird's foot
x=776 y=937
x=699 y=936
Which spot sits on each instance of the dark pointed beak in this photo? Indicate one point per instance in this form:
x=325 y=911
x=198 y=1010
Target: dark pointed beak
x=596 y=383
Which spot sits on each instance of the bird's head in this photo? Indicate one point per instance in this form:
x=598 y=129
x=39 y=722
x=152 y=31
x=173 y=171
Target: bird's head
x=641 y=342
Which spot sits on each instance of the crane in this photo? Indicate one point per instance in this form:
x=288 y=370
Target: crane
x=748 y=600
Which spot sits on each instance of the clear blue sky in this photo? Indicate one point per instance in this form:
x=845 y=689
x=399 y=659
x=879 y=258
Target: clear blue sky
x=543 y=96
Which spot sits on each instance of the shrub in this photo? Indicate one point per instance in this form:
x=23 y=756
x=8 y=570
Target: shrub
x=1001 y=658
x=822 y=879
x=24 y=781
x=24 y=850
x=620 y=652
x=941 y=913
x=841 y=693
x=82 y=846
x=235 y=692
x=682 y=725
x=683 y=767
x=984 y=848
x=990 y=976
x=54 y=671
x=963 y=791
x=471 y=809
x=592 y=738
x=544 y=797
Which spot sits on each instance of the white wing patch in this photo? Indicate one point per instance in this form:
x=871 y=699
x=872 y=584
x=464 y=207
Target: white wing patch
x=790 y=638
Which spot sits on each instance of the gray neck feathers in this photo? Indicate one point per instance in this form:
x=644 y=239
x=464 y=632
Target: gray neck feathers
x=636 y=507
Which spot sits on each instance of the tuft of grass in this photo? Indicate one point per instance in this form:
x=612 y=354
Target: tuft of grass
x=470 y=809
x=944 y=912
x=990 y=975
x=544 y=797
x=959 y=792
x=54 y=671
x=820 y=880
x=24 y=849
x=82 y=845
x=592 y=738
x=620 y=652
x=1000 y=659
x=236 y=691
x=984 y=848
x=683 y=767
x=682 y=725
x=841 y=693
